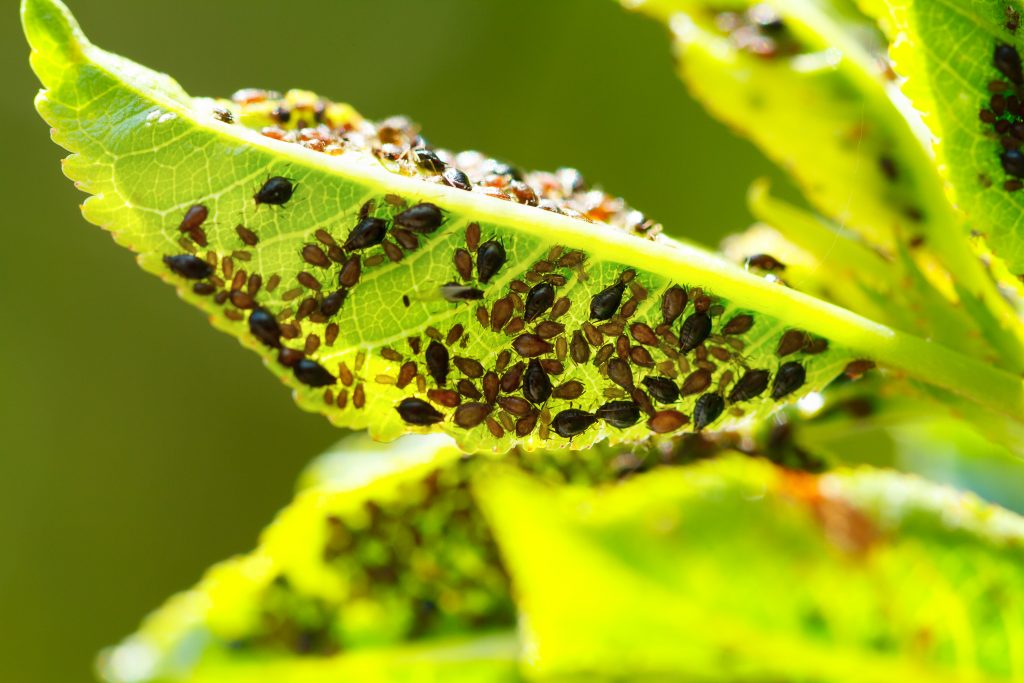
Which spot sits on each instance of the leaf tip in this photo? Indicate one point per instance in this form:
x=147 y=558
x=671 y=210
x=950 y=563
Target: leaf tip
x=52 y=30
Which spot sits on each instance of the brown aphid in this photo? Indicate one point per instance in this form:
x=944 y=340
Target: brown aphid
x=548 y=329
x=491 y=386
x=203 y=288
x=307 y=306
x=333 y=302
x=612 y=329
x=454 y=334
x=289 y=357
x=641 y=356
x=469 y=367
x=233 y=315
x=764 y=262
x=405 y=239
x=702 y=303
x=241 y=255
x=515 y=326
x=416 y=411
x=473 y=236
x=463 y=263
x=751 y=385
x=392 y=251
x=290 y=331
x=510 y=380
x=696 y=382
x=494 y=428
x=198 y=235
x=414 y=345
x=815 y=346
x=620 y=373
x=342 y=400
x=308 y=281
x=501 y=313
x=643 y=334
x=666 y=421
x=242 y=300
x=673 y=303
x=468 y=389
x=220 y=297
x=526 y=424
x=331 y=334
x=390 y=354
x=504 y=357
x=469 y=415
x=325 y=238
x=315 y=256
x=444 y=397
x=719 y=353
x=569 y=390
x=254 y=283
x=603 y=354
x=312 y=344
x=248 y=237
x=592 y=334
x=791 y=342
x=350 y=272
x=273 y=282
x=519 y=287
x=561 y=348
x=406 y=374
x=238 y=281
x=531 y=345
x=579 y=349
x=857 y=368
x=622 y=347
x=194 y=217
x=560 y=308
x=345 y=375
x=739 y=324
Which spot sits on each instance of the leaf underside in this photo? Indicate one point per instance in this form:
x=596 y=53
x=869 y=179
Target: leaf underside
x=250 y=208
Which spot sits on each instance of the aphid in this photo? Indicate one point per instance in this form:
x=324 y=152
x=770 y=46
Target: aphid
x=468 y=389
x=538 y=300
x=592 y=334
x=437 y=362
x=289 y=357
x=662 y=389
x=490 y=384
x=223 y=115
x=815 y=346
x=568 y=391
x=750 y=385
x=501 y=313
x=791 y=342
x=194 y=217
x=392 y=251
x=536 y=383
x=694 y=331
x=470 y=415
x=307 y=306
x=429 y=160
x=311 y=373
x=188 y=266
x=457 y=179
x=605 y=303
x=603 y=354
x=422 y=218
x=454 y=334
x=490 y=257
x=1007 y=60
x=276 y=191
x=264 y=327
x=1013 y=162
x=530 y=345
x=368 y=232
x=643 y=334
x=455 y=292
x=696 y=382
x=463 y=263
x=549 y=328
x=203 y=288
x=856 y=368
x=315 y=256
x=469 y=367
x=511 y=379
x=667 y=421
x=641 y=356
x=560 y=308
x=620 y=373
x=416 y=411
x=312 y=344
x=619 y=414
x=405 y=238
x=445 y=397
x=764 y=262
x=307 y=281
x=473 y=236
x=579 y=349
x=572 y=422
x=707 y=409
x=739 y=324
x=672 y=304
x=241 y=299
x=350 y=272
x=789 y=378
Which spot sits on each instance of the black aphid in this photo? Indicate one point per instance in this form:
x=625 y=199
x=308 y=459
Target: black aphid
x=706 y=410
x=749 y=386
x=429 y=160
x=416 y=411
x=694 y=331
x=1007 y=60
x=539 y=299
x=437 y=362
x=490 y=257
x=420 y=218
x=606 y=302
x=457 y=179
x=454 y=292
x=189 y=266
x=223 y=115
x=368 y=232
x=1013 y=162
x=619 y=414
x=788 y=379
x=276 y=191
x=263 y=325
x=536 y=383
x=764 y=262
x=662 y=389
x=572 y=422
x=311 y=373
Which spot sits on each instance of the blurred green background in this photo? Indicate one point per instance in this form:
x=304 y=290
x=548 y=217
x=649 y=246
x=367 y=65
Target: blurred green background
x=139 y=445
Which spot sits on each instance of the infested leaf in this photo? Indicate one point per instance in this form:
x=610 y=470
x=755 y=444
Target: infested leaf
x=387 y=283
x=735 y=570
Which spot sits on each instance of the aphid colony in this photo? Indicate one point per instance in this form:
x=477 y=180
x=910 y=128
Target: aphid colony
x=652 y=354
x=1003 y=114
x=315 y=123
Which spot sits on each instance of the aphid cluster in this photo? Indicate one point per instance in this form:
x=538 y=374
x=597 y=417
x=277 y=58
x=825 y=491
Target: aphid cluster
x=315 y=123
x=758 y=30
x=1003 y=114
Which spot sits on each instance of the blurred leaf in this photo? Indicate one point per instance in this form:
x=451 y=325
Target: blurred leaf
x=356 y=352
x=736 y=570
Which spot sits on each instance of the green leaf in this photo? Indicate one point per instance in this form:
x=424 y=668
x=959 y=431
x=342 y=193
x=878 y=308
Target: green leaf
x=736 y=570
x=149 y=154
x=946 y=51
x=383 y=546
